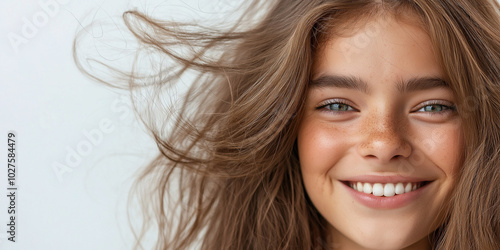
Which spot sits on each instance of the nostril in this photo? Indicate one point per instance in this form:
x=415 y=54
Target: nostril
x=384 y=150
x=371 y=156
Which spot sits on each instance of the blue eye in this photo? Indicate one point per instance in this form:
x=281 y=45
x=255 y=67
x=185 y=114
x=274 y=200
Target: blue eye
x=435 y=108
x=339 y=107
x=336 y=106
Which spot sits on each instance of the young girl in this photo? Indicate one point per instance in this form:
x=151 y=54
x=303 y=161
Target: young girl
x=328 y=125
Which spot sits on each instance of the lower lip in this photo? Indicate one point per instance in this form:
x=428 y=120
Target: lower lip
x=382 y=202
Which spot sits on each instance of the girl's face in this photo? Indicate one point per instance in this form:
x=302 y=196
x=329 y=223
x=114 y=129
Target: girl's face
x=380 y=143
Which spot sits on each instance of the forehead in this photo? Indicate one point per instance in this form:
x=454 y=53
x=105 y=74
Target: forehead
x=384 y=45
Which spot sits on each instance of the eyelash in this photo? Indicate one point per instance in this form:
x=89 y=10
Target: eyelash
x=324 y=106
x=445 y=107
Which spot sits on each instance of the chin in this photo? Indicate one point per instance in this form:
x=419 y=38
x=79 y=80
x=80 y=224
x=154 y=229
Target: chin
x=381 y=233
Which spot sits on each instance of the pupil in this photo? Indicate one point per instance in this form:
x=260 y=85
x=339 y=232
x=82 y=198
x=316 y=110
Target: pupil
x=434 y=108
x=339 y=106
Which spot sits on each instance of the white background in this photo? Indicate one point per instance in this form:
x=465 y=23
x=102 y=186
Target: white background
x=58 y=115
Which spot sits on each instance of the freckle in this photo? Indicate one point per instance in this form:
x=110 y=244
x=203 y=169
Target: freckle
x=386 y=124
x=381 y=129
x=366 y=145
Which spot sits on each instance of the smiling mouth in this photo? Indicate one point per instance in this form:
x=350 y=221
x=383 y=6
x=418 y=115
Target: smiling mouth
x=385 y=189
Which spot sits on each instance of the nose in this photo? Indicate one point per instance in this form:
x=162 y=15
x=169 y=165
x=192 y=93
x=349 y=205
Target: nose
x=384 y=139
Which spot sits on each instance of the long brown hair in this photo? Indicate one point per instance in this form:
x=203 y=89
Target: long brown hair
x=228 y=174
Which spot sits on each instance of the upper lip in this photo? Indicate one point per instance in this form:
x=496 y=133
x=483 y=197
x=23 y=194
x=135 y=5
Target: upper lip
x=385 y=179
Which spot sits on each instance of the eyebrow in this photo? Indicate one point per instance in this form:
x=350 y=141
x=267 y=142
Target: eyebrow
x=421 y=83
x=349 y=82
x=356 y=83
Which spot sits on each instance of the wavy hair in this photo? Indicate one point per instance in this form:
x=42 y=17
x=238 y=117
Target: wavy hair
x=228 y=177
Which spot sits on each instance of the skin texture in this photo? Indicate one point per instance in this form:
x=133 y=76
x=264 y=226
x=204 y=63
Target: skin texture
x=379 y=130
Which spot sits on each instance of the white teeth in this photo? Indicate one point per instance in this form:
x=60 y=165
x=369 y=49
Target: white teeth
x=400 y=188
x=387 y=190
x=367 y=188
x=378 y=189
x=408 y=188
x=359 y=186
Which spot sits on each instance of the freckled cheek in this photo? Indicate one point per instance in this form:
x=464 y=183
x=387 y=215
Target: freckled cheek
x=321 y=146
